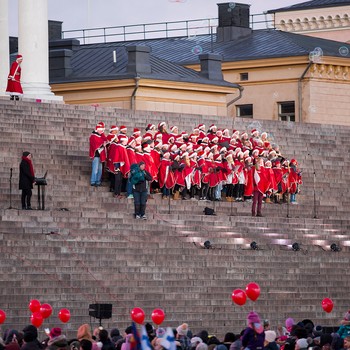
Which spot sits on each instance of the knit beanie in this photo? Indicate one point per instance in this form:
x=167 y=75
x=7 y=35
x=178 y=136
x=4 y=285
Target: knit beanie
x=302 y=343
x=253 y=317
x=25 y=154
x=55 y=332
x=30 y=333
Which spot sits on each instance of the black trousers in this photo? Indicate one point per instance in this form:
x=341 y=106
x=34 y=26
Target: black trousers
x=26 y=196
x=118 y=180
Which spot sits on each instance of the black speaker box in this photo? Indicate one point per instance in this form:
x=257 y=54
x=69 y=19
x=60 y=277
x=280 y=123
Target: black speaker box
x=100 y=311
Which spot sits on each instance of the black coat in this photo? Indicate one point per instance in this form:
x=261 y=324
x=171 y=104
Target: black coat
x=25 y=177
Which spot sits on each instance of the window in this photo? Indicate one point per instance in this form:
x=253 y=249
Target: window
x=245 y=111
x=244 y=76
x=286 y=111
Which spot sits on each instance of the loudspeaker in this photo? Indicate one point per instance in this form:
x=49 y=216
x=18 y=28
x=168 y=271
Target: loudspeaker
x=100 y=311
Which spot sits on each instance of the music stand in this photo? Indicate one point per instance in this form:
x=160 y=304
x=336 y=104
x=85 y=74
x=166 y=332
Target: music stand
x=41 y=182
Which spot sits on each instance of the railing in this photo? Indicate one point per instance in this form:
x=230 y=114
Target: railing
x=187 y=28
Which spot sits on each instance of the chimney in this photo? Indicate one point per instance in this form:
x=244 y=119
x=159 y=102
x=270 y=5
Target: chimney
x=211 y=66
x=60 y=56
x=55 y=30
x=139 y=59
x=233 y=21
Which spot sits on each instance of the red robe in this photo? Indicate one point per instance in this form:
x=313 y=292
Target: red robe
x=150 y=166
x=294 y=180
x=14 y=86
x=166 y=176
x=271 y=177
x=118 y=154
x=96 y=144
x=131 y=155
x=285 y=180
x=249 y=181
x=261 y=182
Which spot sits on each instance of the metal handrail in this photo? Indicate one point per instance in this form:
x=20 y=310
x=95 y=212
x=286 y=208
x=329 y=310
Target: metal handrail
x=164 y=29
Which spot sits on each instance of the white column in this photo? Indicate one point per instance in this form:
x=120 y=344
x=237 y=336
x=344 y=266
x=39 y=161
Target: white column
x=33 y=45
x=4 y=46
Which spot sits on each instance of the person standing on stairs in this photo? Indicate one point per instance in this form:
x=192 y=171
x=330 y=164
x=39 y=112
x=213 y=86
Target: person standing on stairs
x=26 y=180
x=138 y=178
x=97 y=153
x=14 y=87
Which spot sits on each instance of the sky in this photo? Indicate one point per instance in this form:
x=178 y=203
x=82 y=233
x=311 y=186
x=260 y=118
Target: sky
x=79 y=14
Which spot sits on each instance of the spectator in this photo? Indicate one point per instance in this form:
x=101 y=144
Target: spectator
x=253 y=336
x=104 y=339
x=139 y=177
x=30 y=337
x=26 y=180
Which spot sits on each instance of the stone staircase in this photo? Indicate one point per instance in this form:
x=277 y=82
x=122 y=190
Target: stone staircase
x=96 y=252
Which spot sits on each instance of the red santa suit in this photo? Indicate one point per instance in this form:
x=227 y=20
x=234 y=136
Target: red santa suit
x=261 y=180
x=166 y=176
x=149 y=162
x=294 y=178
x=249 y=181
x=97 y=141
x=14 y=86
x=118 y=156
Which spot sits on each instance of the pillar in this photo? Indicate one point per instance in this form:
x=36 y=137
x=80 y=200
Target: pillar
x=34 y=46
x=4 y=46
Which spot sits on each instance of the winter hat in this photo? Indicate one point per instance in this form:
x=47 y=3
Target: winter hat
x=160 y=332
x=289 y=323
x=58 y=342
x=317 y=331
x=123 y=128
x=30 y=333
x=302 y=343
x=270 y=336
x=253 y=317
x=150 y=127
x=55 y=332
x=182 y=329
x=19 y=56
x=201 y=127
x=113 y=128
x=196 y=341
x=161 y=124
x=25 y=154
x=136 y=131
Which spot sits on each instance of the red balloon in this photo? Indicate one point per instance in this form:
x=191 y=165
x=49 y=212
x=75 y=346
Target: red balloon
x=46 y=310
x=137 y=315
x=239 y=297
x=327 y=305
x=2 y=316
x=36 y=319
x=158 y=316
x=252 y=290
x=64 y=315
x=34 y=305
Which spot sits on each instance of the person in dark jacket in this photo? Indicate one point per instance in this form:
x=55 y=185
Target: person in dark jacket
x=140 y=189
x=253 y=337
x=26 y=179
x=107 y=344
x=30 y=337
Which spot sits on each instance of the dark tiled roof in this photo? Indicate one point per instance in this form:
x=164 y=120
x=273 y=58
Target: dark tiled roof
x=168 y=55
x=313 y=4
x=95 y=62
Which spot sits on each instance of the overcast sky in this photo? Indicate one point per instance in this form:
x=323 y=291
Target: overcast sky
x=78 y=14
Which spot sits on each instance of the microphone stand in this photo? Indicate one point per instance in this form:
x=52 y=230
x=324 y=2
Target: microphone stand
x=10 y=207
x=315 y=212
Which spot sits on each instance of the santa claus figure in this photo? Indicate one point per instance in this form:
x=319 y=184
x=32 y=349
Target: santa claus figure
x=14 y=88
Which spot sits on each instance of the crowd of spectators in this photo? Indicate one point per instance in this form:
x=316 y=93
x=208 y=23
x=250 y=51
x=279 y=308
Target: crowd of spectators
x=257 y=334
x=205 y=164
